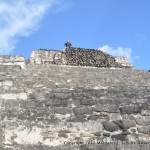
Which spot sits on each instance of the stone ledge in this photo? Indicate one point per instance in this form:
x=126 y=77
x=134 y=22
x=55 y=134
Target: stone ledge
x=13 y=60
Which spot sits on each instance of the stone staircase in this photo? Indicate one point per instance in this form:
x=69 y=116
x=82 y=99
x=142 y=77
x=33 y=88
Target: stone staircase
x=67 y=107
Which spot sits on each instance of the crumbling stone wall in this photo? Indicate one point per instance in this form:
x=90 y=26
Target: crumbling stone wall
x=90 y=57
x=78 y=57
x=72 y=56
x=44 y=56
x=123 y=61
x=13 y=60
x=69 y=107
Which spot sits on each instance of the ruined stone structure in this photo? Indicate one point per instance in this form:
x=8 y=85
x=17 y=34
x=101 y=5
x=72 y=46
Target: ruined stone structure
x=123 y=61
x=13 y=60
x=79 y=57
x=47 y=106
x=47 y=57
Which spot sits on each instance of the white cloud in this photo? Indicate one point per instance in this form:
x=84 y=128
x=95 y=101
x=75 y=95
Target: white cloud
x=20 y=18
x=119 y=51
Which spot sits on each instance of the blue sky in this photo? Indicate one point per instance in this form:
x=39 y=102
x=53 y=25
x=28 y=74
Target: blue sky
x=118 y=27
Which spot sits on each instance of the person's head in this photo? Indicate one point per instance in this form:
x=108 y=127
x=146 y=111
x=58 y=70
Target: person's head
x=68 y=41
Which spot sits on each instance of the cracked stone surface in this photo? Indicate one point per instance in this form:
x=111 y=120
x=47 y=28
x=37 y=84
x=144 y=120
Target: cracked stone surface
x=58 y=107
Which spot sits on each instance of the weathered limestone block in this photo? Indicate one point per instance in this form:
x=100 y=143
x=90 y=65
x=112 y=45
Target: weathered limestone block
x=119 y=137
x=145 y=112
x=110 y=126
x=115 y=116
x=146 y=106
x=57 y=102
x=10 y=103
x=143 y=121
x=62 y=95
x=7 y=83
x=106 y=108
x=87 y=101
x=146 y=109
x=44 y=56
x=92 y=126
x=27 y=104
x=11 y=112
x=22 y=96
x=106 y=134
x=130 y=94
x=130 y=109
x=80 y=111
x=89 y=93
x=144 y=130
x=63 y=110
x=11 y=96
x=101 y=92
x=126 y=123
x=39 y=96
